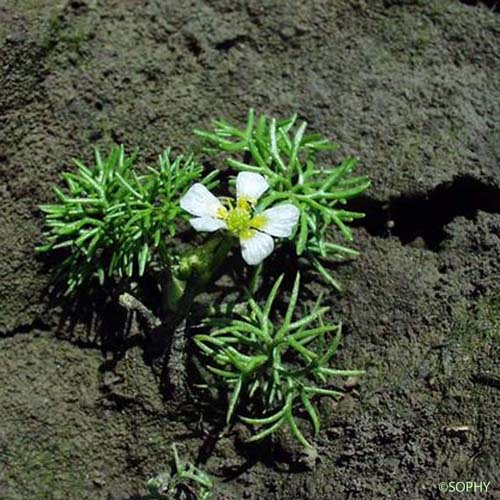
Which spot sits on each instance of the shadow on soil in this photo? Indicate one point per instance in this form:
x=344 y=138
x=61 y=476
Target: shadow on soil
x=425 y=215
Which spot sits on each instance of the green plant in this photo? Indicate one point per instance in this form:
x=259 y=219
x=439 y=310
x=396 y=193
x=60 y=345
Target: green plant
x=283 y=153
x=184 y=477
x=279 y=368
x=113 y=219
x=116 y=221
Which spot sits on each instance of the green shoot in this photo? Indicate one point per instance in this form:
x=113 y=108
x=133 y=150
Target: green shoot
x=114 y=220
x=277 y=368
x=184 y=477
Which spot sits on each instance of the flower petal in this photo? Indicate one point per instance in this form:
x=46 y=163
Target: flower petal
x=250 y=186
x=279 y=221
x=200 y=201
x=256 y=248
x=207 y=224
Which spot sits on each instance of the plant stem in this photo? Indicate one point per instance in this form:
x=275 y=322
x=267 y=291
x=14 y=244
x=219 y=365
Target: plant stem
x=194 y=271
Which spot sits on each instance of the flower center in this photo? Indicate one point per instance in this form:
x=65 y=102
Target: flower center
x=240 y=219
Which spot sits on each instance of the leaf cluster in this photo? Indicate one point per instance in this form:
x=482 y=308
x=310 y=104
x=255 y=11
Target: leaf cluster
x=113 y=219
x=185 y=476
x=287 y=156
x=281 y=367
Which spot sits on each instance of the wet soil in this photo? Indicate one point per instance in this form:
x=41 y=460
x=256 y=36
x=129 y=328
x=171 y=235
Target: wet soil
x=410 y=86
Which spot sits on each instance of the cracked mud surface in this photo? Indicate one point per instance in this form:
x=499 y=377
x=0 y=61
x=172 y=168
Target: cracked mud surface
x=410 y=86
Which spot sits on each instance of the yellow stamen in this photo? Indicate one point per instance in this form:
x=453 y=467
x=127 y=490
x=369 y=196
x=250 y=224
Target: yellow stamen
x=244 y=204
x=221 y=213
x=258 y=221
x=246 y=234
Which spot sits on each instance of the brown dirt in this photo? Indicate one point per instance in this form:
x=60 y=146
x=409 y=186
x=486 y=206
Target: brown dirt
x=412 y=87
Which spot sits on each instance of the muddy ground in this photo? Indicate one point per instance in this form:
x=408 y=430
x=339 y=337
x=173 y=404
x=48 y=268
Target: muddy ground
x=412 y=87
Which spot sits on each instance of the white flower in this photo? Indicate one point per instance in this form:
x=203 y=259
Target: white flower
x=254 y=230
